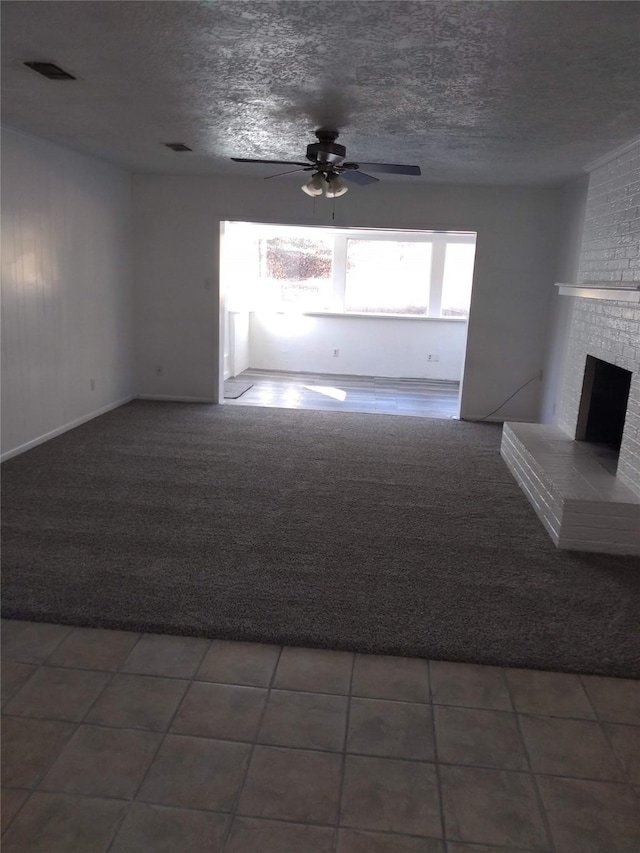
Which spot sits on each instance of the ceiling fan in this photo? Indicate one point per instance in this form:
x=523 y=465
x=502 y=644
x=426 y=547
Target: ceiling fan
x=329 y=167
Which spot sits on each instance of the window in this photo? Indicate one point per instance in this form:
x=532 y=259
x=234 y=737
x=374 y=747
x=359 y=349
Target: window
x=385 y=277
x=457 y=279
x=352 y=271
x=298 y=270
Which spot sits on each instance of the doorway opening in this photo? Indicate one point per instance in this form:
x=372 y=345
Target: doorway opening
x=345 y=318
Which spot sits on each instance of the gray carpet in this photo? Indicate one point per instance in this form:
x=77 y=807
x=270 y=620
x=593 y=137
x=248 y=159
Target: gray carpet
x=234 y=388
x=369 y=532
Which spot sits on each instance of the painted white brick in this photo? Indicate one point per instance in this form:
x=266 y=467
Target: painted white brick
x=581 y=504
x=612 y=220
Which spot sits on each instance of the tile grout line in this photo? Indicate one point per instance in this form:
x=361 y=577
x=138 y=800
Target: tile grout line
x=37 y=787
x=42 y=664
x=78 y=723
x=234 y=807
x=6 y=704
x=163 y=737
x=539 y=800
x=594 y=719
x=35 y=664
x=626 y=774
x=26 y=800
x=377 y=756
x=473 y=845
x=586 y=693
x=266 y=818
x=334 y=844
x=125 y=811
x=60 y=642
x=277 y=820
x=436 y=760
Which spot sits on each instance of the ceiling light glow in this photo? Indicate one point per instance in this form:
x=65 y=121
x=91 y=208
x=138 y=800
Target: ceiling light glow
x=314 y=186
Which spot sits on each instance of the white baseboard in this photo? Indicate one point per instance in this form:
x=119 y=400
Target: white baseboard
x=166 y=398
x=65 y=428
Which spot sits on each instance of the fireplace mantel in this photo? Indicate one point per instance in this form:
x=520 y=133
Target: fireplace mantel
x=601 y=290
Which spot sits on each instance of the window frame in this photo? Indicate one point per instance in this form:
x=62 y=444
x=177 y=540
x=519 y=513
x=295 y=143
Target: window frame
x=340 y=236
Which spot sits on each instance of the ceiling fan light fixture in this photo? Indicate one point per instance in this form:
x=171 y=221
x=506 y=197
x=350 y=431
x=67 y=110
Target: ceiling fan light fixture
x=335 y=187
x=314 y=185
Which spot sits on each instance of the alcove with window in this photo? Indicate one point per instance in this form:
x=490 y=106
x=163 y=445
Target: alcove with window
x=350 y=301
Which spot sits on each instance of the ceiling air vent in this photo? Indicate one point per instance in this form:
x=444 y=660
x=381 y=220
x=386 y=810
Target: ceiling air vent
x=48 y=69
x=178 y=146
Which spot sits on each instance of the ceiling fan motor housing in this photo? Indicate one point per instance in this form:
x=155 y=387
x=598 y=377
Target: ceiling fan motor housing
x=326 y=150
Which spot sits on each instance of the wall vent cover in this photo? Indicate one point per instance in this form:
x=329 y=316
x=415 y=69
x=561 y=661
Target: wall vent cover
x=48 y=69
x=178 y=146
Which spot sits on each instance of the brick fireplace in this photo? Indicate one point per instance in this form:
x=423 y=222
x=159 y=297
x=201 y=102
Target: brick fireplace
x=586 y=498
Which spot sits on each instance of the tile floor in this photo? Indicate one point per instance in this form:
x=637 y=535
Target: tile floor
x=114 y=741
x=413 y=397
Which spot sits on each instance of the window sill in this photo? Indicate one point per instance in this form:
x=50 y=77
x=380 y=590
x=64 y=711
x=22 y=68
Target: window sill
x=368 y=316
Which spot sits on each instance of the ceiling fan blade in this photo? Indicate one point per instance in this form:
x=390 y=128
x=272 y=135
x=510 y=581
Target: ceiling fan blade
x=290 y=172
x=392 y=168
x=271 y=162
x=357 y=177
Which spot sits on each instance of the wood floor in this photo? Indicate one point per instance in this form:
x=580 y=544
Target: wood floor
x=424 y=398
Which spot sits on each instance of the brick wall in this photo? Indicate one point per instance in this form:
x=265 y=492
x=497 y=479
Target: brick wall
x=609 y=330
x=611 y=239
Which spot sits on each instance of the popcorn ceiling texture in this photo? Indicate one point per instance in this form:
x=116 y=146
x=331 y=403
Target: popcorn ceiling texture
x=491 y=92
x=609 y=330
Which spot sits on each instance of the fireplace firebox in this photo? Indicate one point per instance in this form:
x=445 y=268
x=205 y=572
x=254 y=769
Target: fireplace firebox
x=603 y=404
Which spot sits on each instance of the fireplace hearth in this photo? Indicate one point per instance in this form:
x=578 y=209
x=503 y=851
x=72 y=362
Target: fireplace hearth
x=572 y=477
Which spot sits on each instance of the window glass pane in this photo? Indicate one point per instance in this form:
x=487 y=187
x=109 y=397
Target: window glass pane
x=458 y=277
x=296 y=271
x=385 y=277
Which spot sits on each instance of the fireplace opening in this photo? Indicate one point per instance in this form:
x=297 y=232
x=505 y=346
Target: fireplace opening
x=603 y=408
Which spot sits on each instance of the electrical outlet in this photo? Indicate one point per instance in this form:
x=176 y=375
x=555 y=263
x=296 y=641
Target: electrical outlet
x=433 y=356
x=336 y=353
x=159 y=370
x=93 y=384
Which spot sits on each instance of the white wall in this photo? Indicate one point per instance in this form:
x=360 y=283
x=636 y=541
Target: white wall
x=177 y=244
x=240 y=343
x=368 y=346
x=66 y=289
x=572 y=213
x=177 y=301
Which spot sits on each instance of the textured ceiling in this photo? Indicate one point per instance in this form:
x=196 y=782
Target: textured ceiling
x=474 y=92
